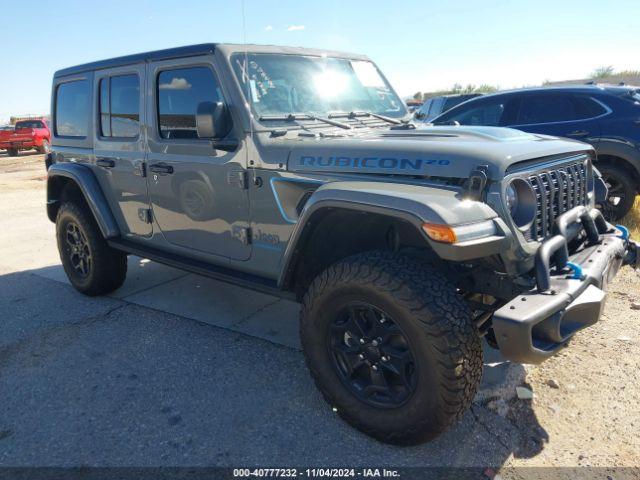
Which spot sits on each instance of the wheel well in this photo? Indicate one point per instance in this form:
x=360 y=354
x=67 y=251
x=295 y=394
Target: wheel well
x=59 y=190
x=621 y=162
x=333 y=234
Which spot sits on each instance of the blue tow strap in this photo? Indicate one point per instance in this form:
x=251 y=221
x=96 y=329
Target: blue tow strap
x=577 y=271
x=624 y=232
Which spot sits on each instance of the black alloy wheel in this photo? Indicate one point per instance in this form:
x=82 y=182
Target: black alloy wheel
x=78 y=250
x=372 y=356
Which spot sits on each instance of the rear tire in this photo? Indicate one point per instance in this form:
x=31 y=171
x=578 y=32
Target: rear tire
x=13 y=152
x=92 y=266
x=434 y=335
x=622 y=191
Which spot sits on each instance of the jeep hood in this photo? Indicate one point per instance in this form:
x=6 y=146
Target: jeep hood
x=449 y=151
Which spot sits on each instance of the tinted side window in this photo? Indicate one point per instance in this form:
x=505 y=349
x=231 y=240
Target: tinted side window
x=587 y=107
x=72 y=109
x=120 y=106
x=487 y=113
x=179 y=93
x=546 y=109
x=105 y=118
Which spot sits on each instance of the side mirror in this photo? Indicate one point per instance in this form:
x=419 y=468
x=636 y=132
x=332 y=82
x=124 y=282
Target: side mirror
x=213 y=121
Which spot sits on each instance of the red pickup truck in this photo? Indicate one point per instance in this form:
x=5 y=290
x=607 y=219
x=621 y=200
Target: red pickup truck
x=27 y=134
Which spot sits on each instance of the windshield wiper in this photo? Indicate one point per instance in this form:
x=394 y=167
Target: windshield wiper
x=292 y=117
x=356 y=114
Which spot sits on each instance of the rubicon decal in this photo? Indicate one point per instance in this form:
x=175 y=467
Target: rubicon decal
x=374 y=163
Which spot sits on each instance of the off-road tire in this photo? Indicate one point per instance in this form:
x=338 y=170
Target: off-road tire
x=622 y=183
x=436 y=320
x=108 y=268
x=13 y=152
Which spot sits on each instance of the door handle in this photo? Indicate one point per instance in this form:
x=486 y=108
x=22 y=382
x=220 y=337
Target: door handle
x=106 y=163
x=578 y=133
x=161 y=168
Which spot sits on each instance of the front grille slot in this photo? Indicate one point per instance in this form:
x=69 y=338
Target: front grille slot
x=557 y=191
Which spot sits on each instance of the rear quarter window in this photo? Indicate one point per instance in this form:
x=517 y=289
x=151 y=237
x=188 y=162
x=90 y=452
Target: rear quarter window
x=72 y=109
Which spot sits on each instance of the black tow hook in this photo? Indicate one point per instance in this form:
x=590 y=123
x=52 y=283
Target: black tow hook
x=632 y=257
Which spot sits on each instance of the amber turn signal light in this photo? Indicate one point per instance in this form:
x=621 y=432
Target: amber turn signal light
x=440 y=233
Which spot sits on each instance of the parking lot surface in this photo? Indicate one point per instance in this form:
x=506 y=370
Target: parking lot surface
x=176 y=369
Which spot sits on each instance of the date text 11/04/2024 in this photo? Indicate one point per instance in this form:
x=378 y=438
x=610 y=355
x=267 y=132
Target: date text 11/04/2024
x=317 y=472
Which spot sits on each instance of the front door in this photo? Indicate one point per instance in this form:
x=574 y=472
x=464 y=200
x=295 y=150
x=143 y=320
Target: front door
x=198 y=194
x=119 y=146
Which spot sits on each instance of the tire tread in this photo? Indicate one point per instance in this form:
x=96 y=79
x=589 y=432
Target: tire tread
x=442 y=314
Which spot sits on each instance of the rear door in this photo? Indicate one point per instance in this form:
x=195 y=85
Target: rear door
x=198 y=193
x=119 y=146
x=560 y=114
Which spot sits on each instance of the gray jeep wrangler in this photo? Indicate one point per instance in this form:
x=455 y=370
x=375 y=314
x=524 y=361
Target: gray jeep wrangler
x=296 y=172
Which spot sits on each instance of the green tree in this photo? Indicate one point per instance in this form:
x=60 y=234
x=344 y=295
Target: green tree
x=417 y=96
x=602 y=72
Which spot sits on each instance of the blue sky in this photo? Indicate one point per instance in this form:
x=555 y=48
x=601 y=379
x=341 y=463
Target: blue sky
x=420 y=45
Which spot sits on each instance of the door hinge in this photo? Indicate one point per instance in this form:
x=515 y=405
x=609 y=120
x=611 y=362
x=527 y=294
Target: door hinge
x=242 y=234
x=145 y=215
x=239 y=178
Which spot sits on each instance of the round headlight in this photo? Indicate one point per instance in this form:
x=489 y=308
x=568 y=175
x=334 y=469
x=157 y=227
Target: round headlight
x=512 y=199
x=521 y=202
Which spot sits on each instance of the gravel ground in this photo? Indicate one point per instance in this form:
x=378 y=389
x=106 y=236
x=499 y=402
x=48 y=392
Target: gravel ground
x=585 y=409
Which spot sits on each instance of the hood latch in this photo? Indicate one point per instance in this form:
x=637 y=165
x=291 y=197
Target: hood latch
x=474 y=186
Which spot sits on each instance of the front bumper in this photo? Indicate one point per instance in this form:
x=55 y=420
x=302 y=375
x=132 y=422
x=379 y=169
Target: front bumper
x=570 y=292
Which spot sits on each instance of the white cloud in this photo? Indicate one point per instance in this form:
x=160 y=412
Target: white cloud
x=176 y=84
x=293 y=28
x=268 y=28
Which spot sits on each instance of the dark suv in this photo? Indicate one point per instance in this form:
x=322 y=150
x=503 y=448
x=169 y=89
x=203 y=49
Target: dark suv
x=606 y=117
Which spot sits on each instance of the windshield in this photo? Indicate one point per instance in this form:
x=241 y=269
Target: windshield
x=283 y=84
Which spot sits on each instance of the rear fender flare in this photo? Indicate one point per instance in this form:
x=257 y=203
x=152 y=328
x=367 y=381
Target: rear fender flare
x=58 y=176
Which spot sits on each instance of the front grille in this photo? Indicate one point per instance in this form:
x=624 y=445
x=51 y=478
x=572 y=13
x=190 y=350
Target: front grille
x=557 y=191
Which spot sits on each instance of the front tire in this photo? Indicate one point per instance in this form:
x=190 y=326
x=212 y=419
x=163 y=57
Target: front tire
x=622 y=191
x=13 y=152
x=92 y=267
x=404 y=318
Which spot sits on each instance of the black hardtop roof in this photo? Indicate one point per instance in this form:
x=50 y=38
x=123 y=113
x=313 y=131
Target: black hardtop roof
x=194 y=50
x=169 y=53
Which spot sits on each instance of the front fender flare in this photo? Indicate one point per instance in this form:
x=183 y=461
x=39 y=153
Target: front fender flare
x=86 y=181
x=415 y=204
